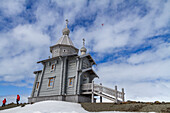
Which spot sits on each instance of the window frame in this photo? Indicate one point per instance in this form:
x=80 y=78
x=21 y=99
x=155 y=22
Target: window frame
x=64 y=50
x=51 y=82
x=52 y=69
x=37 y=85
x=71 y=85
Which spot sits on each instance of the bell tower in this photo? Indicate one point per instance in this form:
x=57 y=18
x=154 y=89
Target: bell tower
x=64 y=46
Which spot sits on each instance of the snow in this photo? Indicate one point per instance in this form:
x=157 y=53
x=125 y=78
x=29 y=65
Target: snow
x=52 y=107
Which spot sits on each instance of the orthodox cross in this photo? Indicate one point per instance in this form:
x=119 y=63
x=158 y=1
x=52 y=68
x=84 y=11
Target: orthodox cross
x=83 y=42
x=66 y=22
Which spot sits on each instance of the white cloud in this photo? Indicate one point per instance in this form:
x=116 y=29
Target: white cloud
x=147 y=91
x=130 y=30
x=148 y=81
x=21 y=48
x=160 y=52
x=11 y=7
x=142 y=72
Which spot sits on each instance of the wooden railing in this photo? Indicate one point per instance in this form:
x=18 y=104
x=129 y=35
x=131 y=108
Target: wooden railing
x=113 y=93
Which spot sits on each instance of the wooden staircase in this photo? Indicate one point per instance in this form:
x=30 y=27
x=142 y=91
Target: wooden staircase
x=102 y=91
x=105 y=96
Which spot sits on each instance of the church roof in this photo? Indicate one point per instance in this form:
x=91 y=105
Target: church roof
x=91 y=71
x=39 y=71
x=65 y=40
x=89 y=57
x=55 y=58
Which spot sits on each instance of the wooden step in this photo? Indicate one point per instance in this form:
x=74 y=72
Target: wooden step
x=105 y=96
x=86 y=93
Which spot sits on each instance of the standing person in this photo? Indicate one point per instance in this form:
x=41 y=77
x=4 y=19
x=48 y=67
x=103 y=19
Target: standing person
x=18 y=99
x=4 y=102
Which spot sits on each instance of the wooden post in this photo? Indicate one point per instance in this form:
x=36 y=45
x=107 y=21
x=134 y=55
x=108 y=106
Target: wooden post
x=41 y=79
x=101 y=93
x=123 y=95
x=92 y=96
x=61 y=77
x=116 y=93
x=76 y=78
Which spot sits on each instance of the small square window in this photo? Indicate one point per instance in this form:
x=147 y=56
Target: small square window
x=52 y=67
x=71 y=80
x=37 y=85
x=64 y=50
x=51 y=82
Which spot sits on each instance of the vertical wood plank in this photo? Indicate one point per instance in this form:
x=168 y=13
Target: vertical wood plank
x=61 y=74
x=79 y=77
x=101 y=92
x=123 y=95
x=65 y=76
x=76 y=78
x=92 y=98
x=116 y=94
x=41 y=79
x=34 y=86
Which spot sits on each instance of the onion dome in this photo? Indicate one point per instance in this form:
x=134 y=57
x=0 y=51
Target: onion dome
x=66 y=31
x=83 y=50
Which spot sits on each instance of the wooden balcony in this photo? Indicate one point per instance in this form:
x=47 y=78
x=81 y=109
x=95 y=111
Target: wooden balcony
x=102 y=91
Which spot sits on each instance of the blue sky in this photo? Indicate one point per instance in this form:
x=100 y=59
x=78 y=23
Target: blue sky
x=132 y=48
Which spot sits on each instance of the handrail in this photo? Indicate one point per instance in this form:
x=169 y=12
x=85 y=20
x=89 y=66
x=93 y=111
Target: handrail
x=86 y=86
x=103 y=89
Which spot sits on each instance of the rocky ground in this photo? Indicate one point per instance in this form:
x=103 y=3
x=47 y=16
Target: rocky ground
x=12 y=105
x=128 y=106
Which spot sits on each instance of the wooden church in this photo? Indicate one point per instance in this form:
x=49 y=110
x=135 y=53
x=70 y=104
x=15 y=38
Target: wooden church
x=68 y=76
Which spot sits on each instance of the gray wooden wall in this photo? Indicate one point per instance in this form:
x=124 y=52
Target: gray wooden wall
x=71 y=73
x=37 y=79
x=63 y=50
x=86 y=63
x=44 y=89
x=65 y=68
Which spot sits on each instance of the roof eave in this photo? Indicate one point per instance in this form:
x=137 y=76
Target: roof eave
x=89 y=57
x=90 y=69
x=42 y=61
x=37 y=71
x=63 y=45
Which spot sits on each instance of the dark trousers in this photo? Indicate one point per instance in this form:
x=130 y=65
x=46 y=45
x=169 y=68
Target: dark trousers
x=3 y=104
x=17 y=101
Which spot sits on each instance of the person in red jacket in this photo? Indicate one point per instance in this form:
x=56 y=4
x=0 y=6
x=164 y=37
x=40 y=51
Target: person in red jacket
x=18 y=99
x=4 y=102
